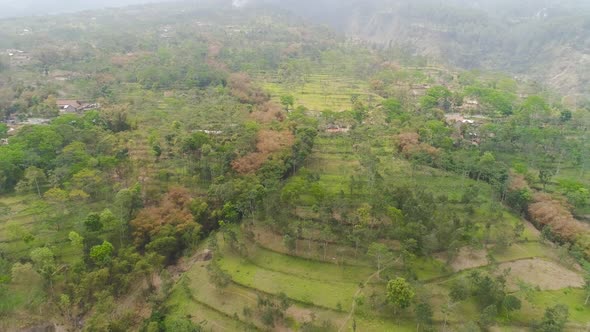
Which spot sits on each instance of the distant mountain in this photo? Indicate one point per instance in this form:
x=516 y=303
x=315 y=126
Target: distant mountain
x=546 y=40
x=16 y=8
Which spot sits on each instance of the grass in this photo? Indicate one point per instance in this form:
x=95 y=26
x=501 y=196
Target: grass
x=321 y=293
x=335 y=161
x=537 y=301
x=428 y=268
x=322 y=92
x=204 y=301
x=306 y=268
x=378 y=324
x=25 y=214
x=210 y=319
x=523 y=250
x=312 y=250
x=196 y=297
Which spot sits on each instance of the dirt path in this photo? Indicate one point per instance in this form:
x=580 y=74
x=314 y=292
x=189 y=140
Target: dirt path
x=358 y=292
x=353 y=307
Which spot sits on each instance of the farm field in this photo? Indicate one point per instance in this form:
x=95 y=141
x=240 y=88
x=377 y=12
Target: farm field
x=320 y=92
x=327 y=279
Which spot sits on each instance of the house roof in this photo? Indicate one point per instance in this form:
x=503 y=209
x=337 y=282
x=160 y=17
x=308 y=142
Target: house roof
x=68 y=102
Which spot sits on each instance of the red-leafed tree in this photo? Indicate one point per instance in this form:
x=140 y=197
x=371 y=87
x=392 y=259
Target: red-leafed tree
x=172 y=217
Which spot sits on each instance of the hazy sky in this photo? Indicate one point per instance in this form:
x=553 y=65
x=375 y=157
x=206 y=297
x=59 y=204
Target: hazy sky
x=9 y=8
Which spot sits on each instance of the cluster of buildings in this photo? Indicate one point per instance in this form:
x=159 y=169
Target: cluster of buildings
x=466 y=127
x=66 y=106
x=18 y=57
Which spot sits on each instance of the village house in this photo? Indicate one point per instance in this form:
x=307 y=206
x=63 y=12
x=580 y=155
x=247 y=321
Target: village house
x=74 y=106
x=465 y=128
x=25 y=31
x=454 y=118
x=337 y=129
x=211 y=132
x=165 y=31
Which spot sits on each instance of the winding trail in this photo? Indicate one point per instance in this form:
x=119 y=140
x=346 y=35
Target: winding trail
x=359 y=290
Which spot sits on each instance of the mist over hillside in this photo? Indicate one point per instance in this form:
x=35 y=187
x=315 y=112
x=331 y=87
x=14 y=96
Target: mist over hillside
x=542 y=40
x=14 y=8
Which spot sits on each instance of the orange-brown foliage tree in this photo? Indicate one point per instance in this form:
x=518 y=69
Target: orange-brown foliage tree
x=270 y=141
x=267 y=143
x=268 y=112
x=407 y=139
x=173 y=210
x=409 y=144
x=242 y=88
x=547 y=211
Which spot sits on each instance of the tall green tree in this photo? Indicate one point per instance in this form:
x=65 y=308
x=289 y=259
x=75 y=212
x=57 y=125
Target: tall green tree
x=44 y=262
x=3 y=130
x=400 y=293
x=554 y=319
x=380 y=254
x=488 y=316
x=424 y=315
x=102 y=254
x=287 y=101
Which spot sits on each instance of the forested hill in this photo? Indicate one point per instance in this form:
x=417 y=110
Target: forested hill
x=543 y=40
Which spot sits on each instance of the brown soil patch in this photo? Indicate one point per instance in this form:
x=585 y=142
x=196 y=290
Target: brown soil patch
x=538 y=272
x=300 y=315
x=467 y=259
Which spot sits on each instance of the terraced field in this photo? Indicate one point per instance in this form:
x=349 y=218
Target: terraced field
x=321 y=91
x=335 y=287
x=323 y=292
x=21 y=227
x=317 y=296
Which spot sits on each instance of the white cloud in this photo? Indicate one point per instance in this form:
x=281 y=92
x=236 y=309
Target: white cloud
x=239 y=3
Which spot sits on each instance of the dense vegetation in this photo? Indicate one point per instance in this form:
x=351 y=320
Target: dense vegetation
x=245 y=170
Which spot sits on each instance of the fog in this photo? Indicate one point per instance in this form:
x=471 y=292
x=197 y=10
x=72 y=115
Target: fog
x=14 y=8
x=324 y=8
x=490 y=7
x=538 y=38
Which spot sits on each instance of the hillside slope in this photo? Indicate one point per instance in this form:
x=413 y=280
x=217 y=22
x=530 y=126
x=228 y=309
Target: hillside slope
x=546 y=41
